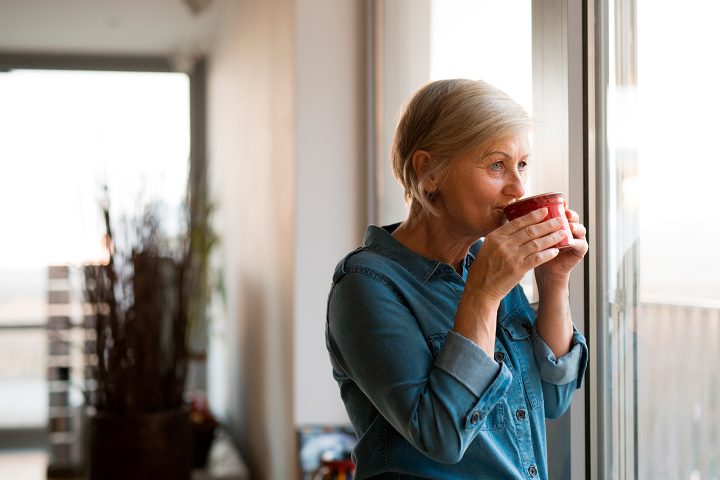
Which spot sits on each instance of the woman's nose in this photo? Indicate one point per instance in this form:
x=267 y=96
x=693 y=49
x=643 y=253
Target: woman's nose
x=514 y=186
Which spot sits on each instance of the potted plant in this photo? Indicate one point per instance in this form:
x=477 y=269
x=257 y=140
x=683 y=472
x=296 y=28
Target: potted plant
x=146 y=300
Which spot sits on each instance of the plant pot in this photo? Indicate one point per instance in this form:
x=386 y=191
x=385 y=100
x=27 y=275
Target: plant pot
x=139 y=446
x=202 y=439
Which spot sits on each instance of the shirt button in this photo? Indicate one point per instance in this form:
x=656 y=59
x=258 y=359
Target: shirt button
x=474 y=418
x=499 y=357
x=532 y=471
x=520 y=414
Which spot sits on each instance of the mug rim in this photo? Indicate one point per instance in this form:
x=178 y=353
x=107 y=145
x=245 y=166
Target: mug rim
x=541 y=196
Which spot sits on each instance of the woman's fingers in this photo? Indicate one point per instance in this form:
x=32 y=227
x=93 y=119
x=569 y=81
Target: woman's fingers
x=533 y=232
x=529 y=227
x=542 y=243
x=519 y=223
x=530 y=233
x=572 y=215
x=578 y=230
x=538 y=258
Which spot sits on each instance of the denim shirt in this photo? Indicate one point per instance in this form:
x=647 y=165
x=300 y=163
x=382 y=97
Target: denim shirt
x=426 y=402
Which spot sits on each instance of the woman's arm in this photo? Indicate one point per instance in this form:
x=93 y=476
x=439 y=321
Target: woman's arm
x=554 y=323
x=438 y=404
x=560 y=376
x=507 y=254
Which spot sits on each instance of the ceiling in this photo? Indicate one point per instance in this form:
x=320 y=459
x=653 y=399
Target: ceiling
x=167 y=28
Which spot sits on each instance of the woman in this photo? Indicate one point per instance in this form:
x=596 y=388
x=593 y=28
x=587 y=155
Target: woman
x=444 y=368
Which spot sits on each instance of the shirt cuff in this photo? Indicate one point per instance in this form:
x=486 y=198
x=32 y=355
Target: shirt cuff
x=468 y=363
x=569 y=367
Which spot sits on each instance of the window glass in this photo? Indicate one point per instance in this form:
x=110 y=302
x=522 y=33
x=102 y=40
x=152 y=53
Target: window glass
x=663 y=285
x=64 y=135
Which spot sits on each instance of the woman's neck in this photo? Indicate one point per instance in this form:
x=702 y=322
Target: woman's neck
x=427 y=235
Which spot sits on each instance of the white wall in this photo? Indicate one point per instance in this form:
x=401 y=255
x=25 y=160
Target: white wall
x=330 y=185
x=251 y=156
x=405 y=67
x=286 y=82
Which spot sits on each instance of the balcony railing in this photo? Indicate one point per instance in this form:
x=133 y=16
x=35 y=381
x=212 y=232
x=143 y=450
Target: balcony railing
x=678 y=390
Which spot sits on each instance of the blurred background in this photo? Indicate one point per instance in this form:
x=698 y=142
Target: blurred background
x=282 y=112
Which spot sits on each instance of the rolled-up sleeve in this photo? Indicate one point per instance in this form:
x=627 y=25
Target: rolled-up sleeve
x=438 y=404
x=569 y=367
x=560 y=376
x=471 y=366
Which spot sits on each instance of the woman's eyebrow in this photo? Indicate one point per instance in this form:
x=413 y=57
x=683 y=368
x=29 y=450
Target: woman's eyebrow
x=506 y=155
x=496 y=152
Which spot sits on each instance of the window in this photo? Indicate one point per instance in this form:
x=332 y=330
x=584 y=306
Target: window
x=64 y=135
x=658 y=297
x=421 y=41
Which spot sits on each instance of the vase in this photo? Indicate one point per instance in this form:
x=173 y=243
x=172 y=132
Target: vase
x=202 y=440
x=154 y=445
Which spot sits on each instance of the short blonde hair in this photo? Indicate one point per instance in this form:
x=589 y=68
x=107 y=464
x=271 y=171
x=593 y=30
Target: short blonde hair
x=447 y=118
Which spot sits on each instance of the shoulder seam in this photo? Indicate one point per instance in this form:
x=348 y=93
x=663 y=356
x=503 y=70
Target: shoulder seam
x=375 y=276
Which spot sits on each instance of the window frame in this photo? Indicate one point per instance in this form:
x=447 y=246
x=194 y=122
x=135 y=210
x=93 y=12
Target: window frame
x=562 y=60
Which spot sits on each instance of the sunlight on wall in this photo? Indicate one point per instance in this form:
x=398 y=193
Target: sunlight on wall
x=486 y=40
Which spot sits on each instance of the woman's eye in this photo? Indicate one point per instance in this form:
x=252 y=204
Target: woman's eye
x=522 y=166
x=497 y=166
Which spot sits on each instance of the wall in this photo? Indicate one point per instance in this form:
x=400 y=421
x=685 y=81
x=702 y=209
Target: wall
x=251 y=159
x=404 y=67
x=330 y=184
x=286 y=152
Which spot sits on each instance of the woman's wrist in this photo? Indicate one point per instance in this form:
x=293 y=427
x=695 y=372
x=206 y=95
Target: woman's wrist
x=554 y=322
x=476 y=320
x=552 y=285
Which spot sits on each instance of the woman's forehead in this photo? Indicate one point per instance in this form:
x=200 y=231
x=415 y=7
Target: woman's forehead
x=510 y=145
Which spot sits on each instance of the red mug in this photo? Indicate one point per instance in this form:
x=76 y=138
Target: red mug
x=554 y=202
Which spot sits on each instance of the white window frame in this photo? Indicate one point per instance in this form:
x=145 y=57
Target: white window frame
x=560 y=145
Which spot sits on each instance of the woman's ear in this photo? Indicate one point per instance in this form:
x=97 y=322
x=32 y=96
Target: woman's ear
x=422 y=162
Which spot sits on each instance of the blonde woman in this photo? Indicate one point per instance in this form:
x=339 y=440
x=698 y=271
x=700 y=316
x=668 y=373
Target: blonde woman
x=444 y=368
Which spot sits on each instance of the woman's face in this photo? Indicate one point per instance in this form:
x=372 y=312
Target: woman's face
x=479 y=183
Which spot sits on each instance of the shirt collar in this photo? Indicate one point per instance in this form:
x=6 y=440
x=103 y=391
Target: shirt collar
x=380 y=239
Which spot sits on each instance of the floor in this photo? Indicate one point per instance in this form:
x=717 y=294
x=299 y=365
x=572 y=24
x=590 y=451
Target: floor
x=23 y=464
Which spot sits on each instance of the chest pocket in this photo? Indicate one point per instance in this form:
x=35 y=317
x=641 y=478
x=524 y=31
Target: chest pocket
x=520 y=334
x=496 y=418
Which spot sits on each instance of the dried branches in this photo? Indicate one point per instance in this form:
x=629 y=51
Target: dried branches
x=142 y=299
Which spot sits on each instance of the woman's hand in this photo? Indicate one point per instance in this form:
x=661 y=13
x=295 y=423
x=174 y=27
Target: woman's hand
x=558 y=269
x=512 y=250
